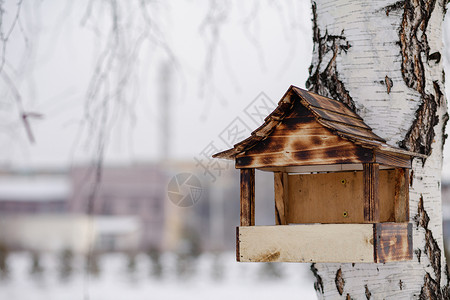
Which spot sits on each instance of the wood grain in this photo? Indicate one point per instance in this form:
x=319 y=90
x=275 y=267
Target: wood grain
x=357 y=131
x=325 y=103
x=247 y=197
x=401 y=195
x=393 y=159
x=336 y=197
x=337 y=117
x=280 y=186
x=301 y=140
x=371 y=196
x=393 y=242
x=306 y=243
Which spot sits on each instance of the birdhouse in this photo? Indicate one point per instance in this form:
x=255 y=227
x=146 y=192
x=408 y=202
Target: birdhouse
x=341 y=193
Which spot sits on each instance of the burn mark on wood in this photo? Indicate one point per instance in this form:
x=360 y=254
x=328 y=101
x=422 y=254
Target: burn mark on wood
x=247 y=197
x=414 y=45
x=311 y=129
x=238 y=255
x=280 y=189
x=339 y=281
x=318 y=285
x=371 y=195
x=269 y=257
x=400 y=161
x=393 y=242
x=326 y=82
x=367 y=292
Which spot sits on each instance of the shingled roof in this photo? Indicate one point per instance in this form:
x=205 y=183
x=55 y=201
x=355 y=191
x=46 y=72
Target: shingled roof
x=331 y=114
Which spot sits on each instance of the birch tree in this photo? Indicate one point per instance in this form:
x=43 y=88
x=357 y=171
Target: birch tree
x=383 y=58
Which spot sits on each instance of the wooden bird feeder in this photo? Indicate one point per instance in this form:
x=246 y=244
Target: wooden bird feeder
x=341 y=192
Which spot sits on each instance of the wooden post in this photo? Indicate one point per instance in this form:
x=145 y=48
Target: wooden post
x=247 y=197
x=281 y=194
x=371 y=198
x=401 y=197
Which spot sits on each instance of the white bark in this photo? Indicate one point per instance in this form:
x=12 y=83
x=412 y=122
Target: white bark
x=364 y=39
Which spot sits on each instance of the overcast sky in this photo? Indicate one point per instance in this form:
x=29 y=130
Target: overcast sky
x=266 y=51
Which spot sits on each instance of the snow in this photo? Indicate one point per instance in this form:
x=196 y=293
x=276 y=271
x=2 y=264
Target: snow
x=239 y=281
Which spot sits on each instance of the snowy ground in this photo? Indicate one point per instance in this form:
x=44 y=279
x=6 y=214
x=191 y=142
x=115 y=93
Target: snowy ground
x=222 y=279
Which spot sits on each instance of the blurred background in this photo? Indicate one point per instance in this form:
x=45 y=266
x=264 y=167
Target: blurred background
x=110 y=112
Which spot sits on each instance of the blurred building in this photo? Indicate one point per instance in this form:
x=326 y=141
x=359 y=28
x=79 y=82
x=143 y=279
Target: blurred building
x=130 y=192
x=128 y=209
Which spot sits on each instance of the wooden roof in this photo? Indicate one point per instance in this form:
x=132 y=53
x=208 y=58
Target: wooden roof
x=331 y=114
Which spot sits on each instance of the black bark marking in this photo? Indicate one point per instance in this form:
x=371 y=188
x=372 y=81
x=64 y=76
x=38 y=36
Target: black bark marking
x=389 y=83
x=436 y=56
x=438 y=92
x=444 y=126
x=394 y=7
x=318 y=285
x=400 y=284
x=367 y=292
x=431 y=288
x=327 y=82
x=339 y=281
x=414 y=45
x=348 y=297
x=418 y=253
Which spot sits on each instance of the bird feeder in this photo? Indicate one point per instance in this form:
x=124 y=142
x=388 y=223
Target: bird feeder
x=341 y=192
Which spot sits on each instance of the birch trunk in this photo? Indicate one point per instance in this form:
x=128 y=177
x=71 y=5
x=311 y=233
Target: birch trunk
x=383 y=58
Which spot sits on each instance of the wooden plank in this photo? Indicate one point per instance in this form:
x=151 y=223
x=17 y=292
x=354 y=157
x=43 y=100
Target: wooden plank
x=279 y=187
x=304 y=142
x=356 y=131
x=292 y=143
x=326 y=198
x=337 y=117
x=401 y=195
x=393 y=159
x=325 y=103
x=286 y=193
x=371 y=197
x=306 y=243
x=393 y=242
x=247 y=197
x=238 y=256
x=330 y=155
x=336 y=197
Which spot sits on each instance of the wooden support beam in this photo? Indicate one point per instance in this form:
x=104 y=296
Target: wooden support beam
x=401 y=196
x=349 y=243
x=247 y=197
x=392 y=242
x=281 y=194
x=371 y=196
